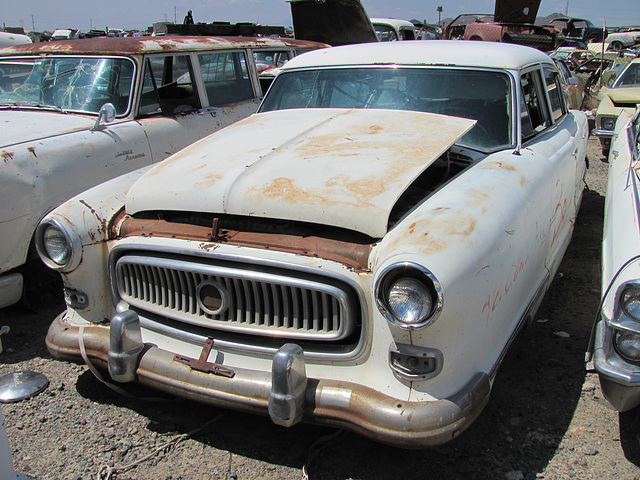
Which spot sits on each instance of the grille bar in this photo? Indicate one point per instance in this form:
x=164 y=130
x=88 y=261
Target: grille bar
x=233 y=298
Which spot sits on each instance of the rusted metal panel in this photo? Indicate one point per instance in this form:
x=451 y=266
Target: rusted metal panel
x=347 y=170
x=354 y=255
x=141 y=45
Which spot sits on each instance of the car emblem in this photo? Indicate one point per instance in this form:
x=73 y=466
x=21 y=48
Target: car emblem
x=212 y=297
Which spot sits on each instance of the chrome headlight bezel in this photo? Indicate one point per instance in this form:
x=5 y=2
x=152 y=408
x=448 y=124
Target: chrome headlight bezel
x=629 y=300
x=625 y=342
x=401 y=271
x=73 y=245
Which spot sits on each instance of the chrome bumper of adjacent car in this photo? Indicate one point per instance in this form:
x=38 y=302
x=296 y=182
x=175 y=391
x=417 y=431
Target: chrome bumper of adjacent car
x=608 y=134
x=619 y=380
x=286 y=394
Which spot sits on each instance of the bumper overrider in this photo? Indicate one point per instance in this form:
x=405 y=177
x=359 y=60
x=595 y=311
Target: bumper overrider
x=286 y=394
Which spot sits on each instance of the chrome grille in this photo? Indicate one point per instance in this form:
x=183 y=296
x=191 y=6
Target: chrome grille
x=238 y=298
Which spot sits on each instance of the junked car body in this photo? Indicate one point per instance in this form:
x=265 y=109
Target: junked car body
x=364 y=261
x=620 y=40
x=511 y=22
x=393 y=29
x=616 y=347
x=163 y=93
x=622 y=93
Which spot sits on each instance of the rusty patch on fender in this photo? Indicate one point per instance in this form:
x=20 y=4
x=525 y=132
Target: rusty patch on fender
x=6 y=156
x=503 y=166
x=103 y=222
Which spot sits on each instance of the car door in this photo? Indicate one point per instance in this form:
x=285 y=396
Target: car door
x=185 y=97
x=549 y=138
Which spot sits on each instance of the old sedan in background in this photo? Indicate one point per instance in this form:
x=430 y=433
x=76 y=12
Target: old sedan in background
x=157 y=95
x=616 y=350
x=622 y=92
x=359 y=253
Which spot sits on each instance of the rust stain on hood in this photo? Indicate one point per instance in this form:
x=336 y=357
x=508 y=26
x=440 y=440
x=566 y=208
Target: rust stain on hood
x=342 y=168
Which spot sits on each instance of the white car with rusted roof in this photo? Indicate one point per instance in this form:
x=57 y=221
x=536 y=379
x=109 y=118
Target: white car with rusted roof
x=77 y=113
x=359 y=253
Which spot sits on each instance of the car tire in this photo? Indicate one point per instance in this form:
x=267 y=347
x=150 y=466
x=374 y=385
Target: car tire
x=617 y=46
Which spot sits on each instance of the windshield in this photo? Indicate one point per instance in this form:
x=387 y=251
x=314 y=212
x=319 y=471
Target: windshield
x=630 y=77
x=484 y=96
x=67 y=83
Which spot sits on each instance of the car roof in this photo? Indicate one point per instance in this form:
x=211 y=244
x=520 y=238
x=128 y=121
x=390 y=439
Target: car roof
x=442 y=52
x=393 y=22
x=159 y=44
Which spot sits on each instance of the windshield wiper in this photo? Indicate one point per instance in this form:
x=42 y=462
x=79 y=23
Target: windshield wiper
x=21 y=105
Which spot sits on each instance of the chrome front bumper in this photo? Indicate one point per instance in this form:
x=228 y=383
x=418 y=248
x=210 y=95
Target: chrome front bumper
x=286 y=394
x=619 y=380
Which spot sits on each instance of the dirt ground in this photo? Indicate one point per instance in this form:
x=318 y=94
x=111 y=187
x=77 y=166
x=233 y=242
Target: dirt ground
x=546 y=419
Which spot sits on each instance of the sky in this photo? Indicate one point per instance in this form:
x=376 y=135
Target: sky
x=41 y=15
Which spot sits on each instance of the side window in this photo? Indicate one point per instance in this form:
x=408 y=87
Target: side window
x=555 y=92
x=168 y=87
x=267 y=61
x=226 y=77
x=534 y=117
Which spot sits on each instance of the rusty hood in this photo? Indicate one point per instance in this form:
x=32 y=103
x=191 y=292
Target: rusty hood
x=343 y=168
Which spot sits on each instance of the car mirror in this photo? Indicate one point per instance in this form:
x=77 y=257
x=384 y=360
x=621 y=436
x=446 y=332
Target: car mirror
x=107 y=113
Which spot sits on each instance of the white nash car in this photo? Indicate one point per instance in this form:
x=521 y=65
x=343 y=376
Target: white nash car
x=616 y=350
x=77 y=113
x=359 y=253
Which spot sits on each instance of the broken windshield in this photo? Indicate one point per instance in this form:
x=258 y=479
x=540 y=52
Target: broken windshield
x=67 y=83
x=481 y=95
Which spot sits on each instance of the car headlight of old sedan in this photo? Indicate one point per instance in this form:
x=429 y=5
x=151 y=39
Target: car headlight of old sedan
x=408 y=295
x=58 y=245
x=608 y=123
x=627 y=341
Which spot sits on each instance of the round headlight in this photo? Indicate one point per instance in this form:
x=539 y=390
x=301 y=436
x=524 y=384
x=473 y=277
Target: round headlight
x=630 y=302
x=608 y=123
x=56 y=245
x=409 y=301
x=408 y=295
x=628 y=345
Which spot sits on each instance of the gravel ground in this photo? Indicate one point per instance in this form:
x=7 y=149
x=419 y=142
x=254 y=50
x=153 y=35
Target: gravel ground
x=546 y=418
